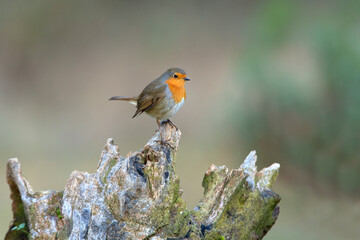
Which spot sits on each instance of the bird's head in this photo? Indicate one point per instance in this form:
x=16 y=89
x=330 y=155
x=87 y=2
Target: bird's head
x=176 y=75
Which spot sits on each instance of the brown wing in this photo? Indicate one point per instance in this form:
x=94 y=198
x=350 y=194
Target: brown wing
x=150 y=96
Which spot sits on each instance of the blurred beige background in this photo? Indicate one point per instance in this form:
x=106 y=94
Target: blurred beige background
x=281 y=77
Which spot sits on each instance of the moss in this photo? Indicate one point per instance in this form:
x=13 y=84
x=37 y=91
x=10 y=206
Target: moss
x=214 y=177
x=209 y=181
x=214 y=235
x=58 y=213
x=19 y=216
x=194 y=236
x=171 y=216
x=55 y=205
x=245 y=204
x=179 y=224
x=154 y=178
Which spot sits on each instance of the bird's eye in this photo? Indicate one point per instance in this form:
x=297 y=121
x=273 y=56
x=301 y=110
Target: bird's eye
x=175 y=76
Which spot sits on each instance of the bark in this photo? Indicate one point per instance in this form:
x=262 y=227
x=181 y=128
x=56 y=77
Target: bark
x=139 y=197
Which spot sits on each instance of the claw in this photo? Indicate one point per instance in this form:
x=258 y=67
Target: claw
x=166 y=143
x=172 y=124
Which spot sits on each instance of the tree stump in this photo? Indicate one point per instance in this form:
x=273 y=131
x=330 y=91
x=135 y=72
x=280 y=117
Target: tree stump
x=139 y=197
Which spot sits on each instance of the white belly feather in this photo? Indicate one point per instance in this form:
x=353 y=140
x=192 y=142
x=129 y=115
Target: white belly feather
x=176 y=107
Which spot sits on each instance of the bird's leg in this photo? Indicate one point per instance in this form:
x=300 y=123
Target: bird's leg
x=172 y=124
x=158 y=121
x=163 y=141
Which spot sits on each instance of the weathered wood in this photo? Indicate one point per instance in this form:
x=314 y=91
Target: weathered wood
x=139 y=197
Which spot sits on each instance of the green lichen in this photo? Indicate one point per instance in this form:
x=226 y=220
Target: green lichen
x=209 y=181
x=32 y=214
x=213 y=178
x=63 y=234
x=152 y=178
x=114 y=205
x=194 y=236
x=267 y=177
x=109 y=166
x=171 y=215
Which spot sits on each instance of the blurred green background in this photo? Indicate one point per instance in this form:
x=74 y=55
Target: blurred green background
x=281 y=77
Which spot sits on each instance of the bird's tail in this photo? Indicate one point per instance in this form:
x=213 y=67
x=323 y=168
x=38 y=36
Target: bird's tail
x=132 y=100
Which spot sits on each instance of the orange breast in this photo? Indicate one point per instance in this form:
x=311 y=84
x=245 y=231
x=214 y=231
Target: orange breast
x=177 y=88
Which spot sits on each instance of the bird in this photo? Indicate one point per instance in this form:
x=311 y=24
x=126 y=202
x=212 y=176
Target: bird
x=161 y=98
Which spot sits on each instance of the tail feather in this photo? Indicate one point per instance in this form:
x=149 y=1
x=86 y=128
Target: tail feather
x=132 y=100
x=122 y=98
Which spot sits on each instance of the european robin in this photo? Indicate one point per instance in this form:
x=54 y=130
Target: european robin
x=162 y=98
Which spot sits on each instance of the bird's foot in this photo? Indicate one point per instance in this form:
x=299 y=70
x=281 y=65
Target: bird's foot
x=168 y=143
x=162 y=141
x=172 y=124
x=165 y=142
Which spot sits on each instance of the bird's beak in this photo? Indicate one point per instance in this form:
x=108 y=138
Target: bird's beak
x=186 y=79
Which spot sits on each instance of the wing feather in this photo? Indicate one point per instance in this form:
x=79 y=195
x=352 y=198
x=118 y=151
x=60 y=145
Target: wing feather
x=150 y=96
